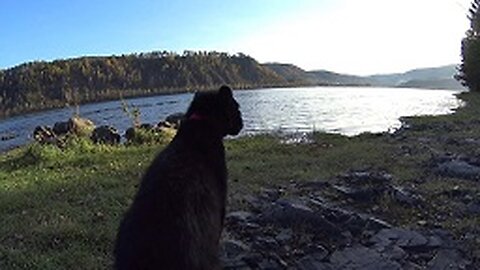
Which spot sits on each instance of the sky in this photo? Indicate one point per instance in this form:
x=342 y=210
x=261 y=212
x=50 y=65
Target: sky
x=360 y=37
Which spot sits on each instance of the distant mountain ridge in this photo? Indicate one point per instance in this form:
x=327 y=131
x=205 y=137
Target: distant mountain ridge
x=296 y=75
x=429 y=78
x=44 y=85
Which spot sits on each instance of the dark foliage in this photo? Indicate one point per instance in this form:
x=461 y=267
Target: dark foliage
x=470 y=67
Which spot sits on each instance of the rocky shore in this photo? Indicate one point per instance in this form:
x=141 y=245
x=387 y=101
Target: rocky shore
x=421 y=210
x=336 y=224
x=105 y=134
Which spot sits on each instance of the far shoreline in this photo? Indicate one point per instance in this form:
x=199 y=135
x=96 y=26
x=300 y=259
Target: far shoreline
x=185 y=91
x=403 y=120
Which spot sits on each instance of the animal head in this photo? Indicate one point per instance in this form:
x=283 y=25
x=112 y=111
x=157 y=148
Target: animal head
x=218 y=107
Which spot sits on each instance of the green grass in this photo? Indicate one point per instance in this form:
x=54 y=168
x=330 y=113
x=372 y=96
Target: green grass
x=61 y=209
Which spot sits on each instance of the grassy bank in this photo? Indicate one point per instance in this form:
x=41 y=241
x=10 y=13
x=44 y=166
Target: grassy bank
x=61 y=209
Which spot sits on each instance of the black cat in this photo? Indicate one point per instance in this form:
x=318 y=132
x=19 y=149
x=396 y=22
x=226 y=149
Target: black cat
x=176 y=218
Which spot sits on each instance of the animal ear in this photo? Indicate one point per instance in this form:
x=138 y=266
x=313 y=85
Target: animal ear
x=225 y=91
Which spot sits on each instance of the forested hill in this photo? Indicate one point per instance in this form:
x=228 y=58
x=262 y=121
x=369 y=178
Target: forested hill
x=42 y=85
x=296 y=75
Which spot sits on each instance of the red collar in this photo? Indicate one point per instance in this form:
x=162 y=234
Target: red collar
x=196 y=116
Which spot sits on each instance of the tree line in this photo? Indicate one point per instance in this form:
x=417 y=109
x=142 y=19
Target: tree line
x=41 y=85
x=470 y=67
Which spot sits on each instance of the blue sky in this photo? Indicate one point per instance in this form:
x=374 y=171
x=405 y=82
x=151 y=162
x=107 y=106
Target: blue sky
x=351 y=36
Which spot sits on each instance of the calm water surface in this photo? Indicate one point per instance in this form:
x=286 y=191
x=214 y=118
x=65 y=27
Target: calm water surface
x=348 y=111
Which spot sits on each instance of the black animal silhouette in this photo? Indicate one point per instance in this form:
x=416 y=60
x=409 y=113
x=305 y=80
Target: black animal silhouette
x=176 y=218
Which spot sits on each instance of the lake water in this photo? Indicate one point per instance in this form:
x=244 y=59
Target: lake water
x=345 y=110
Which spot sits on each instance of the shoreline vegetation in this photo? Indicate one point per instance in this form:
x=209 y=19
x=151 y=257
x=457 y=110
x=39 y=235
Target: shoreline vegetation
x=38 y=86
x=61 y=208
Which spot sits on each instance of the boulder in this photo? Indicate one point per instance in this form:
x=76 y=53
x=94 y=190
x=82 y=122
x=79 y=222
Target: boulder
x=44 y=134
x=286 y=213
x=269 y=264
x=473 y=208
x=7 y=137
x=105 y=134
x=62 y=128
x=81 y=126
x=284 y=235
x=405 y=197
x=459 y=169
x=238 y=217
x=233 y=249
x=146 y=126
x=174 y=120
x=361 y=194
x=447 y=259
x=360 y=257
x=403 y=238
x=130 y=133
x=314 y=262
x=366 y=177
x=364 y=186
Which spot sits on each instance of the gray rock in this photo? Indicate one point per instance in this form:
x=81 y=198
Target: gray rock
x=234 y=264
x=44 y=134
x=473 y=208
x=442 y=238
x=376 y=224
x=146 y=126
x=81 y=126
x=319 y=253
x=265 y=243
x=130 y=133
x=232 y=253
x=174 y=120
x=361 y=194
x=314 y=262
x=391 y=252
x=254 y=202
x=105 y=134
x=361 y=258
x=7 y=137
x=399 y=237
x=435 y=242
x=315 y=185
x=459 y=169
x=253 y=259
x=62 y=128
x=447 y=259
x=271 y=194
x=288 y=213
x=284 y=235
x=239 y=217
x=405 y=197
x=269 y=264
x=363 y=177
x=233 y=248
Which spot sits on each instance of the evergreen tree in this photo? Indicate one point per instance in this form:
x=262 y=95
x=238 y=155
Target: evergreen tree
x=470 y=67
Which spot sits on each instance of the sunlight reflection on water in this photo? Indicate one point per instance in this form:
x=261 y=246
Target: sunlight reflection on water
x=349 y=111
x=345 y=110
